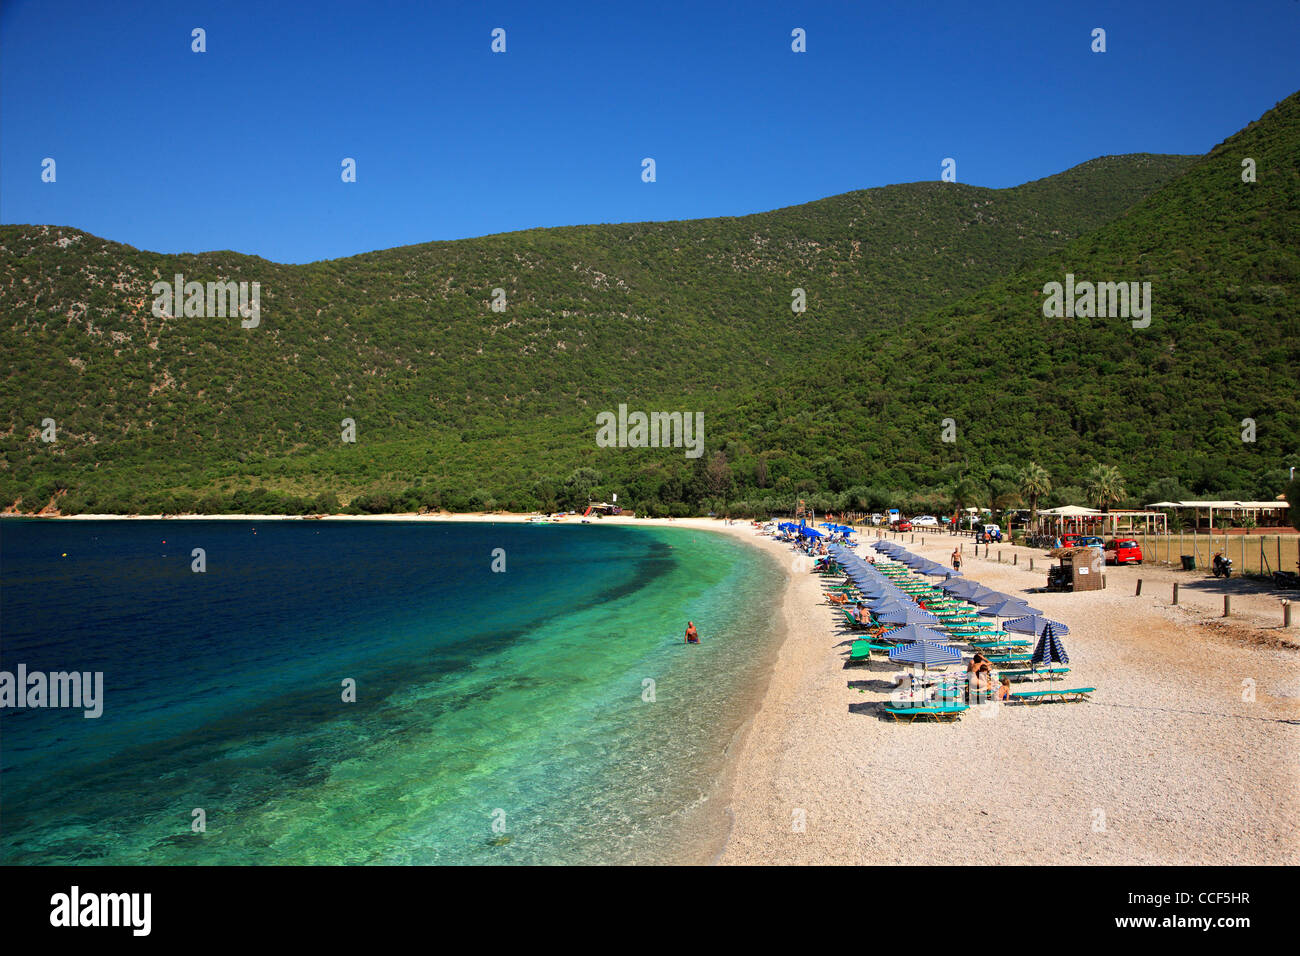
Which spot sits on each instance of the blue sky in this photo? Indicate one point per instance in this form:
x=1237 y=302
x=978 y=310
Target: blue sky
x=240 y=147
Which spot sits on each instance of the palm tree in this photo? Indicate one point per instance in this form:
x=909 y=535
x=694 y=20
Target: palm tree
x=964 y=491
x=1105 y=486
x=1035 y=483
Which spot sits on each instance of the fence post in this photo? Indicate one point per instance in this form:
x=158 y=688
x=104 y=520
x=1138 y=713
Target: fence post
x=999 y=555
x=1286 y=613
x=1015 y=559
x=1138 y=592
x=1175 y=592
x=1227 y=605
x=1031 y=564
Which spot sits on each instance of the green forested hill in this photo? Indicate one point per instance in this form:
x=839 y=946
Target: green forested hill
x=461 y=406
x=1164 y=402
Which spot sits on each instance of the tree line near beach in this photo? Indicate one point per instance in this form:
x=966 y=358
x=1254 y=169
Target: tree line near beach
x=923 y=323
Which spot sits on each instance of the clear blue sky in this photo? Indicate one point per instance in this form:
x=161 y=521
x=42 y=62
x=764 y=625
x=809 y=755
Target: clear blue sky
x=240 y=147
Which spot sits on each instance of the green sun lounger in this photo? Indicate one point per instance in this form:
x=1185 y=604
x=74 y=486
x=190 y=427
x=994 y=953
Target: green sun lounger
x=1010 y=658
x=1006 y=643
x=1057 y=696
x=861 y=650
x=1024 y=675
x=938 y=712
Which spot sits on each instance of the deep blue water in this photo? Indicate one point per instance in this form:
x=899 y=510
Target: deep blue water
x=513 y=698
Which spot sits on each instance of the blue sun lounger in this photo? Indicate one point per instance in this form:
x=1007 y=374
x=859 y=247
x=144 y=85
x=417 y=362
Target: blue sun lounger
x=1071 y=695
x=1034 y=673
x=938 y=712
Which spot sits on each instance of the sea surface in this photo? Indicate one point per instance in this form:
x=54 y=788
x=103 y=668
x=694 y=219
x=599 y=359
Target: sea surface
x=547 y=713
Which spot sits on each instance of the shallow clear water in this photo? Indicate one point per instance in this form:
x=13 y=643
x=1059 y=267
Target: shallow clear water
x=500 y=717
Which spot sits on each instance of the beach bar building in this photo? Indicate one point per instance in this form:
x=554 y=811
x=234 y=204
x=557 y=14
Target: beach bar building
x=1264 y=513
x=1078 y=520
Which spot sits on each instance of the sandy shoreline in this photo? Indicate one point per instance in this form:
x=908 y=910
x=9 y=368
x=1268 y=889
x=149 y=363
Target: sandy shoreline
x=1169 y=764
x=1172 y=762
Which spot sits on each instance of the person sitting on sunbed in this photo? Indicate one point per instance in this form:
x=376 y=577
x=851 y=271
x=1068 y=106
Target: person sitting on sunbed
x=981 y=681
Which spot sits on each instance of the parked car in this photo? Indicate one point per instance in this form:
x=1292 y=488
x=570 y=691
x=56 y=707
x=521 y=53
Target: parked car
x=904 y=525
x=988 y=533
x=1123 y=551
x=926 y=521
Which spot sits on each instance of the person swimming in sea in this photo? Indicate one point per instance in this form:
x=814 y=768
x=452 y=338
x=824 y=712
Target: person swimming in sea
x=692 y=636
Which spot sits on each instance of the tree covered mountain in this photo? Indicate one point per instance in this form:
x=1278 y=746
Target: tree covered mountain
x=1205 y=399
x=923 y=303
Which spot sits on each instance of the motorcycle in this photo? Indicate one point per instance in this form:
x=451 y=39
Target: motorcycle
x=1222 y=566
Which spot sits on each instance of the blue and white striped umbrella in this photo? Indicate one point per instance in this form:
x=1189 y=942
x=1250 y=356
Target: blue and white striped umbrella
x=1034 y=624
x=1012 y=608
x=911 y=633
x=906 y=615
x=925 y=653
x=1049 y=649
x=987 y=597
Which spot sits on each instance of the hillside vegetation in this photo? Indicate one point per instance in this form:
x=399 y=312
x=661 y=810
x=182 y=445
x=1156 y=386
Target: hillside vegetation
x=921 y=305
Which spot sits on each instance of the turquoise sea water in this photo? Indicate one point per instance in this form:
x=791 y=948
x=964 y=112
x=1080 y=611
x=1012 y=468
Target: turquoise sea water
x=500 y=717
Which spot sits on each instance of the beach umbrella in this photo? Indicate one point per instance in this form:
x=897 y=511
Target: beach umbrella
x=1049 y=650
x=906 y=615
x=925 y=653
x=910 y=633
x=987 y=597
x=962 y=587
x=1012 y=608
x=1034 y=624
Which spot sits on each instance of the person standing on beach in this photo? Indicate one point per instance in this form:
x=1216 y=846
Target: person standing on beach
x=692 y=637
x=956 y=560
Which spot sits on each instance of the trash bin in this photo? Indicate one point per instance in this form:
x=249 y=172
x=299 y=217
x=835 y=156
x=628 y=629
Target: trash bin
x=1189 y=562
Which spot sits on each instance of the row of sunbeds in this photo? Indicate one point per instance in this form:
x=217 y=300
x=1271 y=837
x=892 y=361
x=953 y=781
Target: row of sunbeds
x=961 y=622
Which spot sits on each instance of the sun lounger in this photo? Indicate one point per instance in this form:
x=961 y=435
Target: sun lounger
x=1057 y=696
x=1043 y=672
x=1010 y=658
x=861 y=650
x=938 y=712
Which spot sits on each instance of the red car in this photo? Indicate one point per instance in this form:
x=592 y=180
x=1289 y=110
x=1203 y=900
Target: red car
x=1123 y=551
x=904 y=525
